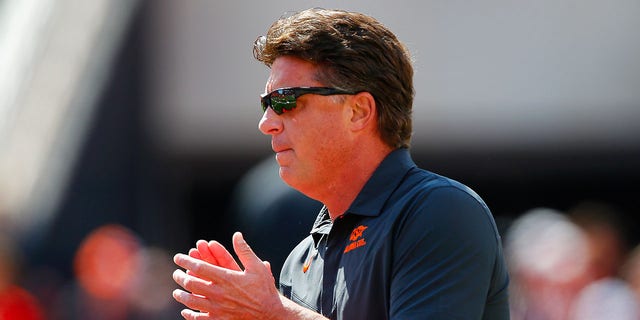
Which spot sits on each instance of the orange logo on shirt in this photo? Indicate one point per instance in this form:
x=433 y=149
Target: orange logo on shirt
x=357 y=238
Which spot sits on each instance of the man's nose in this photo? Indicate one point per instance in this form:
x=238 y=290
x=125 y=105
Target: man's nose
x=270 y=123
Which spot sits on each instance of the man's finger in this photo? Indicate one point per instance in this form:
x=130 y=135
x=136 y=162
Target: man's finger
x=246 y=255
x=215 y=253
x=193 y=315
x=192 y=283
x=204 y=269
x=206 y=254
x=223 y=257
x=192 y=301
x=194 y=253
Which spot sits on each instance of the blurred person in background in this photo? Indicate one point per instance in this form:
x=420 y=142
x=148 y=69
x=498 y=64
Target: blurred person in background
x=606 y=296
x=631 y=271
x=16 y=303
x=606 y=237
x=547 y=255
x=392 y=241
x=106 y=268
x=117 y=278
x=567 y=265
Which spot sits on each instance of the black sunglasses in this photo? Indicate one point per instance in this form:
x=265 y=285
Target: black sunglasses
x=284 y=99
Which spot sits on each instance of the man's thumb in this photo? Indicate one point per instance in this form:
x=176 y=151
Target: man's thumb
x=245 y=254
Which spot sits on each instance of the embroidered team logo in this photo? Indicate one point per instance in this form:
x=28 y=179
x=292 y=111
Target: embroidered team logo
x=356 y=238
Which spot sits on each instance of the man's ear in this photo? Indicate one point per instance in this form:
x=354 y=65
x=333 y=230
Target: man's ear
x=364 y=110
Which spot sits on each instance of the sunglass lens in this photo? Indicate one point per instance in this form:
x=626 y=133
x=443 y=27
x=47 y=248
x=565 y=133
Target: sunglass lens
x=282 y=100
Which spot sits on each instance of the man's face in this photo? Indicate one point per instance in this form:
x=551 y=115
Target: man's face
x=311 y=140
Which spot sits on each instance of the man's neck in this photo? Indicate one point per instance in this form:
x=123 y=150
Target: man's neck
x=339 y=196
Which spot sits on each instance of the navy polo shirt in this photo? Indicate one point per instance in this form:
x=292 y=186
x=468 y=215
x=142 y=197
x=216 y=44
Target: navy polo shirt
x=412 y=245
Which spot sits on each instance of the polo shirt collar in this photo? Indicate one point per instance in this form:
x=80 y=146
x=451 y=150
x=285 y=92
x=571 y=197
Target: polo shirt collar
x=375 y=192
x=382 y=183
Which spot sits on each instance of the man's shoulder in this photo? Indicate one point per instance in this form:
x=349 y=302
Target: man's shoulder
x=438 y=198
x=422 y=181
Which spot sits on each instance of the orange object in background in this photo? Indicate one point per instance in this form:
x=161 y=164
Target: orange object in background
x=107 y=261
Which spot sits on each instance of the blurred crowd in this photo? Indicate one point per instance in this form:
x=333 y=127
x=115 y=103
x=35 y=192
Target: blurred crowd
x=571 y=265
x=115 y=277
x=574 y=265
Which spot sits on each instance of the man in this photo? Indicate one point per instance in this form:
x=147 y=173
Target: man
x=392 y=241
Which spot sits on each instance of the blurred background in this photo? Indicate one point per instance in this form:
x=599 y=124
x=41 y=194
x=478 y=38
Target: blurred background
x=128 y=130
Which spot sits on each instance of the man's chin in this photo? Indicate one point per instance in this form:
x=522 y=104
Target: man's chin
x=288 y=176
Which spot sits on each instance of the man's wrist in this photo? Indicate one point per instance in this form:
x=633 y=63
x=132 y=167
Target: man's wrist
x=294 y=311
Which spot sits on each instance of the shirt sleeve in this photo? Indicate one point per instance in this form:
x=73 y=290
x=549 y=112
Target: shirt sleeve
x=447 y=254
